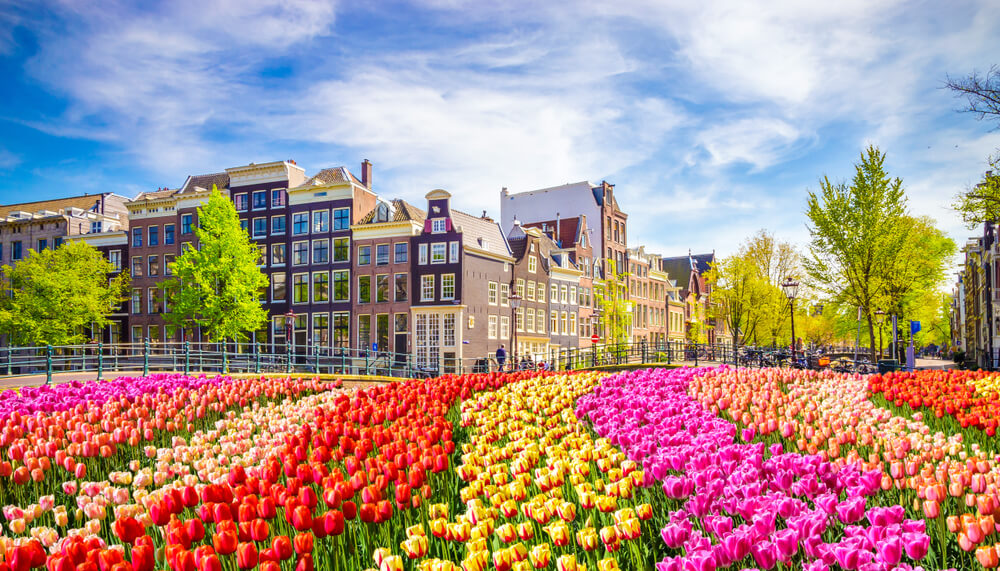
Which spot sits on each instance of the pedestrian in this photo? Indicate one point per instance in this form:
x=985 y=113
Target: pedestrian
x=501 y=356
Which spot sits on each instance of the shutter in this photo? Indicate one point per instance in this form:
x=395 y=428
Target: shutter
x=447 y=224
x=427 y=225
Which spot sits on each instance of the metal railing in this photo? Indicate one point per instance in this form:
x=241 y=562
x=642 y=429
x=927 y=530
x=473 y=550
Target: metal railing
x=153 y=356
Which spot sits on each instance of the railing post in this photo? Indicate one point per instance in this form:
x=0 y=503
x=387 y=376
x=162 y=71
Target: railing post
x=187 y=357
x=48 y=364
x=366 y=360
x=145 y=357
x=100 y=360
x=256 y=358
x=695 y=354
x=9 y=359
x=593 y=355
x=316 y=358
x=225 y=357
x=288 y=354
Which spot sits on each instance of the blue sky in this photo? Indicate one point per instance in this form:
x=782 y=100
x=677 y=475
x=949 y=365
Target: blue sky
x=712 y=119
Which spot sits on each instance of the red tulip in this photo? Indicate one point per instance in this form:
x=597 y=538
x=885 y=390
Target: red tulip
x=305 y=563
x=195 y=529
x=260 y=530
x=301 y=518
x=303 y=543
x=282 y=546
x=143 y=558
x=225 y=542
x=210 y=563
x=246 y=555
x=269 y=566
x=350 y=510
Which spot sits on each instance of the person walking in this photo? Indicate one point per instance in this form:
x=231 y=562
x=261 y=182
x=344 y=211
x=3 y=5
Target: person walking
x=501 y=356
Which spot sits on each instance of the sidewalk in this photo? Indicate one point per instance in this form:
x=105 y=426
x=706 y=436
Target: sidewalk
x=934 y=364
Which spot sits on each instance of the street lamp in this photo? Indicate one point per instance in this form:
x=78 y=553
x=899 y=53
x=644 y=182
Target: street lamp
x=791 y=288
x=289 y=339
x=880 y=317
x=515 y=302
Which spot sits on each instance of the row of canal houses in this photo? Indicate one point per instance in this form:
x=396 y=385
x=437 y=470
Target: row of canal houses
x=349 y=269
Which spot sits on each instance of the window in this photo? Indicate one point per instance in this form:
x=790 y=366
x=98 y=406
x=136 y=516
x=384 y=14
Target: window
x=300 y=223
x=95 y=227
x=154 y=235
x=321 y=221
x=448 y=286
x=262 y=259
x=277 y=254
x=422 y=256
x=245 y=225
x=136 y=301
x=563 y=294
x=136 y=237
x=320 y=287
x=382 y=288
x=341 y=285
x=341 y=325
x=540 y=321
x=427 y=288
x=491 y=329
x=564 y=324
x=168 y=263
x=300 y=253
x=438 y=225
x=260 y=200
x=491 y=295
x=504 y=327
x=58 y=242
x=300 y=288
x=529 y=320
x=437 y=253
x=321 y=329
x=278 y=288
x=320 y=251
x=401 y=288
x=152 y=301
x=342 y=219
x=115 y=257
x=554 y=293
x=554 y=323
x=504 y=294
x=341 y=249
x=519 y=289
x=277 y=198
x=401 y=252
x=382 y=331
x=240 y=200
x=168 y=234
x=136 y=266
x=449 y=330
x=278 y=225
x=186 y=222
x=364 y=331
x=259 y=227
x=42 y=244
x=382 y=255
x=572 y=324
x=364 y=289
x=154 y=265
x=519 y=319
x=572 y=295
x=364 y=255
x=532 y=264
x=453 y=252
x=530 y=291
x=402 y=326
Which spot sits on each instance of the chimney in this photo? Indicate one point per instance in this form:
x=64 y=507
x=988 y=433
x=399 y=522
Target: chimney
x=558 y=236
x=366 y=174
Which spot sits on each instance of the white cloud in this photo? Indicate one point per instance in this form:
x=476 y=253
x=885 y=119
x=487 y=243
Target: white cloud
x=8 y=160
x=760 y=142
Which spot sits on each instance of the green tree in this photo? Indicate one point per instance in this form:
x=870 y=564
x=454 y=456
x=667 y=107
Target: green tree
x=857 y=232
x=58 y=295
x=981 y=203
x=738 y=289
x=217 y=285
x=612 y=301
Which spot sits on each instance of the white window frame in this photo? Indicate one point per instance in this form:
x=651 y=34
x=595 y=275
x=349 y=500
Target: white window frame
x=532 y=264
x=492 y=295
x=427 y=287
x=438 y=226
x=452 y=252
x=444 y=285
x=422 y=255
x=491 y=328
x=529 y=292
x=504 y=327
x=563 y=294
x=439 y=253
x=540 y=321
x=504 y=294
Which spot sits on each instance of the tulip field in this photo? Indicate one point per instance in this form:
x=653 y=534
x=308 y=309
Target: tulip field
x=687 y=469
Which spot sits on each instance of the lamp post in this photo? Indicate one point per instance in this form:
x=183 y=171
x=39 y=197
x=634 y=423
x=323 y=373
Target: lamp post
x=289 y=332
x=791 y=288
x=880 y=317
x=515 y=303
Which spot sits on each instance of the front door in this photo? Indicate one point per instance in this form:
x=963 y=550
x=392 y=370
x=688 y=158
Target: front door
x=399 y=346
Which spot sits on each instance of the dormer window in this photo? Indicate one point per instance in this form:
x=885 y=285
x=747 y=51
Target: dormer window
x=438 y=225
